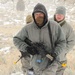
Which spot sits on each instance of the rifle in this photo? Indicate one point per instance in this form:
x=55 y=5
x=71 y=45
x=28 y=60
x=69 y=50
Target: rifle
x=38 y=47
x=30 y=43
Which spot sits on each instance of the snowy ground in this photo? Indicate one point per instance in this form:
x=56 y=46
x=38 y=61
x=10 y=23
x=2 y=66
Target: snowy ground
x=9 y=54
x=11 y=21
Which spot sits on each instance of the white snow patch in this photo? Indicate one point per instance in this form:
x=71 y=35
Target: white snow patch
x=4 y=39
x=17 y=73
x=5 y=50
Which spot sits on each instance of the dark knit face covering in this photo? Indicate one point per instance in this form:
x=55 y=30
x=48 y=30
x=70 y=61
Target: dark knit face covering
x=40 y=8
x=39 y=20
x=43 y=23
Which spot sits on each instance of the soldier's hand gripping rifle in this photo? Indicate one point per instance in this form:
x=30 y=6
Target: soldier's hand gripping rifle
x=36 y=48
x=41 y=49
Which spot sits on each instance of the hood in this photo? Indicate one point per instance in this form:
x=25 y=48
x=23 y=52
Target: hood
x=40 y=8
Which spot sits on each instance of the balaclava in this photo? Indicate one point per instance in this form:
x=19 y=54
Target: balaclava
x=40 y=8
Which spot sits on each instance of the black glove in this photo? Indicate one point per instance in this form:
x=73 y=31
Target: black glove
x=42 y=49
x=25 y=54
x=32 y=50
x=53 y=55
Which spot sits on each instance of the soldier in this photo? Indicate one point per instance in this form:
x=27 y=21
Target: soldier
x=48 y=33
x=59 y=17
x=29 y=19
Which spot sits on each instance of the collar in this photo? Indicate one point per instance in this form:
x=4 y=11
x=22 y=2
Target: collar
x=62 y=23
x=42 y=26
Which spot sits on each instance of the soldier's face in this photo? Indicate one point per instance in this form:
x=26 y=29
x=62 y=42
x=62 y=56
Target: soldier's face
x=59 y=17
x=39 y=17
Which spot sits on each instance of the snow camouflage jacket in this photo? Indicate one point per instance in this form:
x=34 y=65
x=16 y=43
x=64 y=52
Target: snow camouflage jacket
x=36 y=34
x=69 y=34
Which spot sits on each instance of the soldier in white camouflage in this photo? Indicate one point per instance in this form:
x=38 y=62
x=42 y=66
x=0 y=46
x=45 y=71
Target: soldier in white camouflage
x=37 y=31
x=59 y=17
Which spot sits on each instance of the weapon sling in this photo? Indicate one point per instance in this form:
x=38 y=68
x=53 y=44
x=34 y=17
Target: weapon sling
x=50 y=36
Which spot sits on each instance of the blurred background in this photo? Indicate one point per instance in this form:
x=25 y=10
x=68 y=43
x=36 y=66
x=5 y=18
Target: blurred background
x=12 y=18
